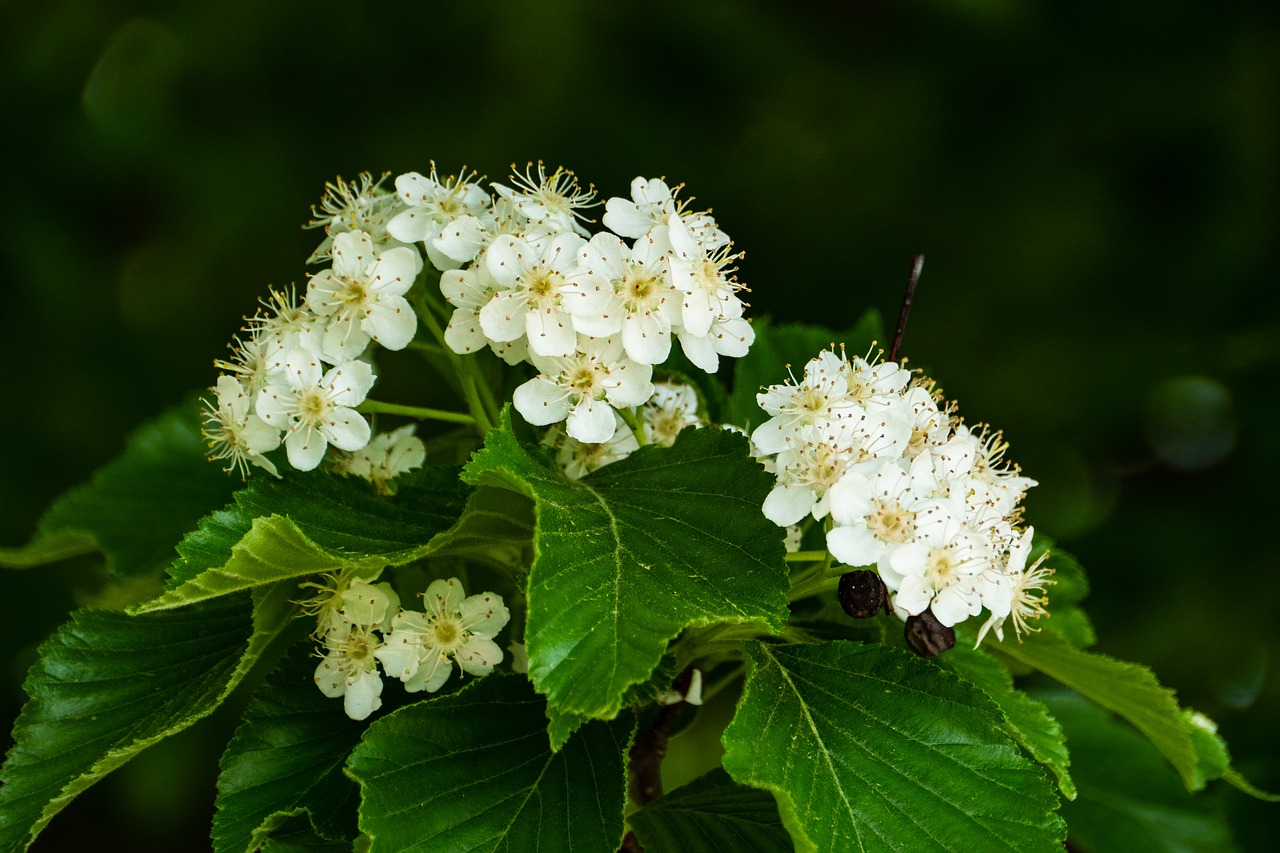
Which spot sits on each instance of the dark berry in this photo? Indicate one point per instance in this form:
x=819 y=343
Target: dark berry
x=927 y=636
x=861 y=593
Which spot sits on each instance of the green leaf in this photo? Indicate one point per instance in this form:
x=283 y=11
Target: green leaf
x=137 y=505
x=286 y=759
x=307 y=524
x=1127 y=689
x=1026 y=720
x=628 y=557
x=780 y=347
x=870 y=748
x=496 y=527
x=106 y=686
x=1130 y=800
x=712 y=814
x=473 y=771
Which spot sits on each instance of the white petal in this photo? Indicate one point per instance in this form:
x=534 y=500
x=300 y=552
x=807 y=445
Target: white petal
x=344 y=339
x=305 y=447
x=591 y=422
x=550 y=333
x=391 y=323
x=786 y=505
x=479 y=656
x=463 y=334
x=854 y=545
x=540 y=402
x=349 y=383
x=646 y=339
x=502 y=318
x=700 y=351
x=364 y=695
x=345 y=429
x=484 y=614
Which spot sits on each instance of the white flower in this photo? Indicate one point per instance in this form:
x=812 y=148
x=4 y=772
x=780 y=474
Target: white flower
x=872 y=514
x=581 y=389
x=727 y=336
x=672 y=407
x=551 y=203
x=941 y=569
x=385 y=457
x=358 y=205
x=819 y=399
x=578 y=459
x=639 y=300
x=315 y=409
x=362 y=297
x=418 y=649
x=434 y=205
x=534 y=287
x=1027 y=598
x=235 y=433
x=350 y=670
x=705 y=278
x=806 y=471
x=651 y=204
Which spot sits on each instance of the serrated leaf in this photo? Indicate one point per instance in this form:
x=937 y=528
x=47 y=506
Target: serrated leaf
x=286 y=759
x=870 y=748
x=712 y=814
x=306 y=524
x=1130 y=800
x=473 y=771
x=778 y=347
x=628 y=557
x=106 y=686
x=137 y=505
x=1026 y=720
x=1127 y=689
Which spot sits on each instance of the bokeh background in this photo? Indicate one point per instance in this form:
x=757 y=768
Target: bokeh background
x=1094 y=187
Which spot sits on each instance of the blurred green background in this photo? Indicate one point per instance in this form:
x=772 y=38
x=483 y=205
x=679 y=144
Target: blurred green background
x=1094 y=186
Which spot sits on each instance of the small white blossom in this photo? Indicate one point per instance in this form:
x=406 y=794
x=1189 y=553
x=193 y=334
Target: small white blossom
x=578 y=459
x=385 y=457
x=359 y=205
x=234 y=433
x=315 y=409
x=583 y=389
x=434 y=206
x=673 y=406
x=640 y=302
x=362 y=297
x=536 y=298
x=419 y=646
x=350 y=669
x=551 y=203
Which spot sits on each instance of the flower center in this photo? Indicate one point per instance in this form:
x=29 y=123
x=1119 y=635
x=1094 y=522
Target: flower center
x=889 y=522
x=353 y=292
x=312 y=405
x=447 y=634
x=638 y=290
x=543 y=286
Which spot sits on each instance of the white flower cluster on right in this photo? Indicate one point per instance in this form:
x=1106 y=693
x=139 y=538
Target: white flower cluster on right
x=905 y=486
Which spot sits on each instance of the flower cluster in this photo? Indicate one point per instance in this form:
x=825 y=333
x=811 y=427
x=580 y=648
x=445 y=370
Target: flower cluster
x=905 y=486
x=299 y=368
x=361 y=625
x=592 y=313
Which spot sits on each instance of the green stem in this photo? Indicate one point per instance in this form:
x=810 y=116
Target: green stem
x=806 y=556
x=815 y=584
x=426 y=348
x=632 y=420
x=478 y=396
x=422 y=414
